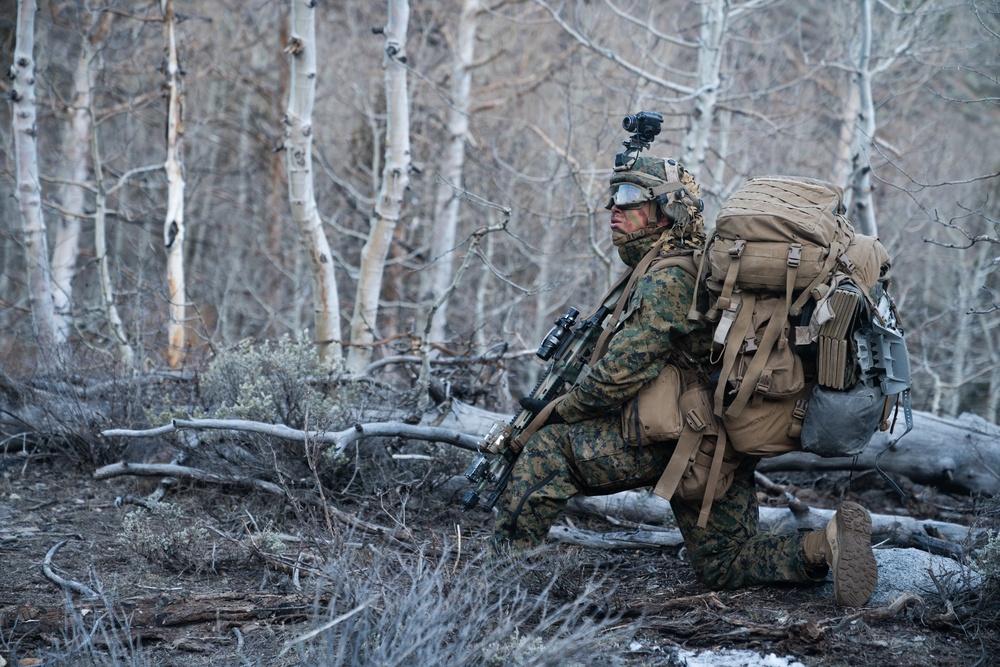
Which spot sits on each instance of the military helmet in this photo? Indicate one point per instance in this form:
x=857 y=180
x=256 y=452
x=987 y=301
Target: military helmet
x=648 y=178
x=665 y=180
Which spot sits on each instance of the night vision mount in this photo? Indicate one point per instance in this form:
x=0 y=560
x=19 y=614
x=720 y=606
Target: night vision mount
x=644 y=127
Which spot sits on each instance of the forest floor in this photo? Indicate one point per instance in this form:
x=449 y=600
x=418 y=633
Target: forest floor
x=230 y=600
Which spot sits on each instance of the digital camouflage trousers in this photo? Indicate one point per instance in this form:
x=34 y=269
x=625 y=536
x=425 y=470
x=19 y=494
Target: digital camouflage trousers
x=591 y=458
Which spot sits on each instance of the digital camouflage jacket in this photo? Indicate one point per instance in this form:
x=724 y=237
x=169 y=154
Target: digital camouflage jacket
x=653 y=324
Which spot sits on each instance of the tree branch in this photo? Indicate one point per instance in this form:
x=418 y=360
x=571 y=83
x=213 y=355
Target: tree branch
x=339 y=439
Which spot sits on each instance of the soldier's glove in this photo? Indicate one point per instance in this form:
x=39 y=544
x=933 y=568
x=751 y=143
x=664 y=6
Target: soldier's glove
x=536 y=405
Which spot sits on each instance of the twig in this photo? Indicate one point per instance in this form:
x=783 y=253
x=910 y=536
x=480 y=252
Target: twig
x=87 y=593
x=170 y=470
x=458 y=556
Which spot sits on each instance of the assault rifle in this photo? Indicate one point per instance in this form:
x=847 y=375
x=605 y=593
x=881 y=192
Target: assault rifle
x=569 y=345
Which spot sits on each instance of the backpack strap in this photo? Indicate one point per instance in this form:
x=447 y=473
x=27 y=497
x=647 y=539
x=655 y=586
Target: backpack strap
x=838 y=255
x=743 y=320
x=713 y=478
x=774 y=328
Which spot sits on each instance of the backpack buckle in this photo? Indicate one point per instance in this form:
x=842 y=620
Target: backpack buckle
x=846 y=262
x=763 y=384
x=794 y=255
x=737 y=250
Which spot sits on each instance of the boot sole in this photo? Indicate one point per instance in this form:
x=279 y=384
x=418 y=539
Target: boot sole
x=855 y=573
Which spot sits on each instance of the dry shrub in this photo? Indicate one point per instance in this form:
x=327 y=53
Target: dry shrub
x=410 y=609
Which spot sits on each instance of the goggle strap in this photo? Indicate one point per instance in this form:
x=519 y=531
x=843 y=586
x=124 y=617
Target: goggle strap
x=666 y=188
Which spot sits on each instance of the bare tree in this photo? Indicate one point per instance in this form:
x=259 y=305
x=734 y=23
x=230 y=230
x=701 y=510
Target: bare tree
x=298 y=154
x=449 y=192
x=173 y=226
x=22 y=72
x=862 y=207
x=708 y=49
x=395 y=178
x=74 y=171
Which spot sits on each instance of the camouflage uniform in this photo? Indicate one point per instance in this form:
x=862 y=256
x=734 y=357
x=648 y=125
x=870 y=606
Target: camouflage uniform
x=589 y=455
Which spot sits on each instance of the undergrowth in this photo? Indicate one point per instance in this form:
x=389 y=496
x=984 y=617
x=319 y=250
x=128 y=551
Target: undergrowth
x=274 y=382
x=412 y=609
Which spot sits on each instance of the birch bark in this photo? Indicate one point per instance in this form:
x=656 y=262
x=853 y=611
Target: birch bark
x=448 y=199
x=714 y=16
x=66 y=248
x=173 y=226
x=29 y=198
x=862 y=207
x=395 y=178
x=301 y=196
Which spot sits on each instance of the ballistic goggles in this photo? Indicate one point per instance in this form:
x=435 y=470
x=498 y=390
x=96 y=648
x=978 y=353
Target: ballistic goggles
x=628 y=195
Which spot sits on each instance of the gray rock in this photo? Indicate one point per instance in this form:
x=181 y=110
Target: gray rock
x=913 y=571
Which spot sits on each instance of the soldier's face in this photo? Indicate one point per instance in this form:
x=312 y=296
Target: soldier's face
x=626 y=221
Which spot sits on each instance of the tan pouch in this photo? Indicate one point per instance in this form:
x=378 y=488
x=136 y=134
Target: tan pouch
x=703 y=463
x=695 y=483
x=654 y=414
x=768 y=428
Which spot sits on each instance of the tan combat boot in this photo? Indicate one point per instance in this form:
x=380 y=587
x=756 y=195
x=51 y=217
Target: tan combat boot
x=846 y=546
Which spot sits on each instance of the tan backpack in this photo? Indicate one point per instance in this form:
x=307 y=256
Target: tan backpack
x=788 y=274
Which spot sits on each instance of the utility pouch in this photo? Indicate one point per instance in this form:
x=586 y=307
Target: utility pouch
x=769 y=428
x=654 y=414
x=782 y=374
x=704 y=463
x=841 y=423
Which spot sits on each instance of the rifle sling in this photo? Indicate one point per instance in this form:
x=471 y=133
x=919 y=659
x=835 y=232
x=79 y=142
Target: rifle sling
x=517 y=443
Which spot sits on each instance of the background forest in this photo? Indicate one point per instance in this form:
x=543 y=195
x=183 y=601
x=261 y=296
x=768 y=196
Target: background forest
x=501 y=120
x=331 y=214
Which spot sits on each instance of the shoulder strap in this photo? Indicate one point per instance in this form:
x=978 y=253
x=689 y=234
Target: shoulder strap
x=652 y=260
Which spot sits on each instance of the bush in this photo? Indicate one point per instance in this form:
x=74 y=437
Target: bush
x=162 y=534
x=272 y=382
x=412 y=610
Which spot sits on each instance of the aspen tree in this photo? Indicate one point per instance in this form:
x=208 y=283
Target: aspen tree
x=22 y=94
x=862 y=205
x=446 y=206
x=395 y=178
x=173 y=226
x=301 y=197
x=76 y=138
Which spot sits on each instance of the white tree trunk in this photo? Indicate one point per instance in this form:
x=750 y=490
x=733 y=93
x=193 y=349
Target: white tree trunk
x=74 y=167
x=446 y=206
x=862 y=206
x=173 y=225
x=395 y=178
x=714 y=14
x=849 y=112
x=29 y=197
x=125 y=352
x=301 y=196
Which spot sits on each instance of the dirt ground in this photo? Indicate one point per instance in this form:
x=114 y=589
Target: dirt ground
x=239 y=606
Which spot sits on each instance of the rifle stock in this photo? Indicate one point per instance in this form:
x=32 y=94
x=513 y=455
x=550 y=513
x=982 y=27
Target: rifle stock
x=570 y=347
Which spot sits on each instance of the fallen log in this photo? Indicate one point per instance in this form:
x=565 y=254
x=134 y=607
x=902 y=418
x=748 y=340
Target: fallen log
x=960 y=455
x=645 y=511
